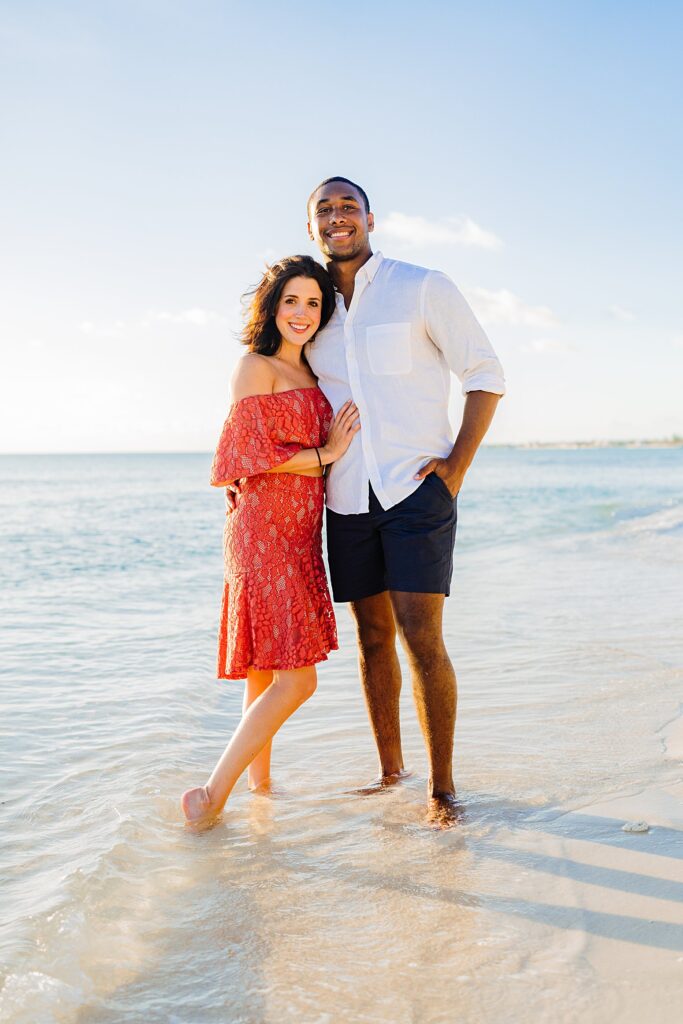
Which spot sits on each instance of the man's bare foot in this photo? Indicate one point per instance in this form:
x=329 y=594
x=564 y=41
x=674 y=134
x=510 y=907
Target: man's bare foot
x=196 y=805
x=444 y=810
x=384 y=782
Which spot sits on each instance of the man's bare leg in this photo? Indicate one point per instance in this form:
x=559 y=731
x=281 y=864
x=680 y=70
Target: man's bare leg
x=419 y=621
x=380 y=675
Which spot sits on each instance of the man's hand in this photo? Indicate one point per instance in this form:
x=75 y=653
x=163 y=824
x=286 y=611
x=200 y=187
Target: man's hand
x=476 y=419
x=452 y=478
x=233 y=493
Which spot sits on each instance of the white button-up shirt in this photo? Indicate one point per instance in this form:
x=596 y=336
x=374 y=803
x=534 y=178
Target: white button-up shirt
x=392 y=353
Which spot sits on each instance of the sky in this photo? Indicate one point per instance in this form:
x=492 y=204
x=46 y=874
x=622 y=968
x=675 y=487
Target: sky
x=157 y=154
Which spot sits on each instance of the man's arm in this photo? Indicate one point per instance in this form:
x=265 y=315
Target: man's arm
x=476 y=420
x=454 y=329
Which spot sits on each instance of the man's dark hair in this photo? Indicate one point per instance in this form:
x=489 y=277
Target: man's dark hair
x=338 y=177
x=260 y=333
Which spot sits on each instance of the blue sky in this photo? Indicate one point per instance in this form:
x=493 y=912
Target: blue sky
x=155 y=154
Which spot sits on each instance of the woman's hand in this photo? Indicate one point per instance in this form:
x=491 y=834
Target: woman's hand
x=233 y=492
x=346 y=424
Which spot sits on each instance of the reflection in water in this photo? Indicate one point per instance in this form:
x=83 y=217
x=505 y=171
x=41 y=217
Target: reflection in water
x=318 y=903
x=337 y=925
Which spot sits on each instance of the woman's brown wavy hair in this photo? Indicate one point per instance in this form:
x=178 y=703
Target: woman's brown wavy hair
x=260 y=333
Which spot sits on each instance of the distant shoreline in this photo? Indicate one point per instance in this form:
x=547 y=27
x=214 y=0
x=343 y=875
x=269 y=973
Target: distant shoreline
x=672 y=442
x=659 y=443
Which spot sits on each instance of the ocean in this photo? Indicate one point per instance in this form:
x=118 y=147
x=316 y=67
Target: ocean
x=317 y=904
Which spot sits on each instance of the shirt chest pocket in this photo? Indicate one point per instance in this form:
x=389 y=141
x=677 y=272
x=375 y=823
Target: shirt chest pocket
x=389 y=348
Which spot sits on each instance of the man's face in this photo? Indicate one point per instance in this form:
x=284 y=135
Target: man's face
x=338 y=222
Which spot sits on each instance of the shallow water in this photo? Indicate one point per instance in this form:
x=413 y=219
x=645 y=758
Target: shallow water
x=318 y=904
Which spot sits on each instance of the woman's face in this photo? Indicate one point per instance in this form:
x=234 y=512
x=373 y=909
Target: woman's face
x=297 y=316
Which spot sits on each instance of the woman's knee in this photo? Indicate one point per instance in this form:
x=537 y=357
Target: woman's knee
x=300 y=683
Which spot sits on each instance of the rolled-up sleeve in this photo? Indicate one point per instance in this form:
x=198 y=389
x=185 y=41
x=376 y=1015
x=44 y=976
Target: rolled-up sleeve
x=456 y=332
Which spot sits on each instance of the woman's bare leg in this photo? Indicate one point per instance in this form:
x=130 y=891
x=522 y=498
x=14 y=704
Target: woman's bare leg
x=263 y=718
x=258 y=771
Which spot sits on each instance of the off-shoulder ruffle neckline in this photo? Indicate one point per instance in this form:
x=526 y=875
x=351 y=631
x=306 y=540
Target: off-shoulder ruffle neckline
x=279 y=394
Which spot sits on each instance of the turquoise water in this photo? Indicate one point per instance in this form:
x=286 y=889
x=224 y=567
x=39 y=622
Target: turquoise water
x=564 y=626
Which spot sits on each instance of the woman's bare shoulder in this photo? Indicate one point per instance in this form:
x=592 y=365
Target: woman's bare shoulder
x=254 y=375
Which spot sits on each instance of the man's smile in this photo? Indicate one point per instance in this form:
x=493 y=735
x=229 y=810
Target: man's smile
x=339 y=233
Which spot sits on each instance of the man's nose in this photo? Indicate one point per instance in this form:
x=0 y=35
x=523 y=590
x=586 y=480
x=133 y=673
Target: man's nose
x=337 y=215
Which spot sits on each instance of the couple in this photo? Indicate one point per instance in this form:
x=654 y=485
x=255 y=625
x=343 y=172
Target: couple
x=349 y=368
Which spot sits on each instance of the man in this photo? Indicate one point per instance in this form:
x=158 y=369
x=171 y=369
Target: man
x=397 y=332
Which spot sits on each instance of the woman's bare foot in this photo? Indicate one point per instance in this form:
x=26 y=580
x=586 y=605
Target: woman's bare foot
x=196 y=805
x=262 y=788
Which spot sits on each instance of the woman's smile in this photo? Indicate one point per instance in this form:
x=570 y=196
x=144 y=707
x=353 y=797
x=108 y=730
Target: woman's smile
x=297 y=316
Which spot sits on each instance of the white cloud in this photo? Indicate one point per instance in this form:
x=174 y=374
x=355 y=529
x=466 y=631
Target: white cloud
x=504 y=307
x=619 y=313
x=267 y=256
x=196 y=317
x=549 y=346
x=112 y=330
x=415 y=230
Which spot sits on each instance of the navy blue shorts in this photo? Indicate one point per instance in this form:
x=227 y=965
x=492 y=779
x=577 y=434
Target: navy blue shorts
x=409 y=547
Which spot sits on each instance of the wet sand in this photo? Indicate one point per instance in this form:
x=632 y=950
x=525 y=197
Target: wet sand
x=617 y=895
x=318 y=904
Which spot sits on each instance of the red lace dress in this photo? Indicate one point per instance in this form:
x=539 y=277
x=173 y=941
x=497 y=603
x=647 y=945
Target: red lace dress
x=276 y=610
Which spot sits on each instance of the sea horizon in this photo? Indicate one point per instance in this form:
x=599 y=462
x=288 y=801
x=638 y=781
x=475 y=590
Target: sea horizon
x=675 y=441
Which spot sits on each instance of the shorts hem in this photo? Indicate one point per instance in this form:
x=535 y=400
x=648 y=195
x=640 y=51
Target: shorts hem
x=415 y=589
x=372 y=592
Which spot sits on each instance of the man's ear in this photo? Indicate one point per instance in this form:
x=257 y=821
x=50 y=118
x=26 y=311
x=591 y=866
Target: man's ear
x=371 y=222
x=310 y=233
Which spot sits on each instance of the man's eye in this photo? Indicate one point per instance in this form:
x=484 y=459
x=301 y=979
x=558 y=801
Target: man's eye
x=323 y=209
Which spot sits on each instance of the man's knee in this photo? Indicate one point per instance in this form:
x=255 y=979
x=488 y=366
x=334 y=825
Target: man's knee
x=375 y=626
x=419 y=627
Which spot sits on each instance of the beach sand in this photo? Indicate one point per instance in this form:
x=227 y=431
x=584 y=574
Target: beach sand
x=320 y=905
x=618 y=895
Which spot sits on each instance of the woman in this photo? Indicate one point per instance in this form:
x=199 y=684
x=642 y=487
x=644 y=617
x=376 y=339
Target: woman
x=277 y=621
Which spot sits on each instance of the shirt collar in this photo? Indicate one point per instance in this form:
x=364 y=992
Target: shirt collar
x=368 y=270
x=371 y=267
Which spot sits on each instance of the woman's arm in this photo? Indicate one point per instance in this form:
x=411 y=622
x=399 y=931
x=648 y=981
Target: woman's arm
x=346 y=424
x=244 y=447
x=253 y=376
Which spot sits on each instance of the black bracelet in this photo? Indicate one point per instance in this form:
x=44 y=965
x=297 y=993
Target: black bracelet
x=320 y=461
